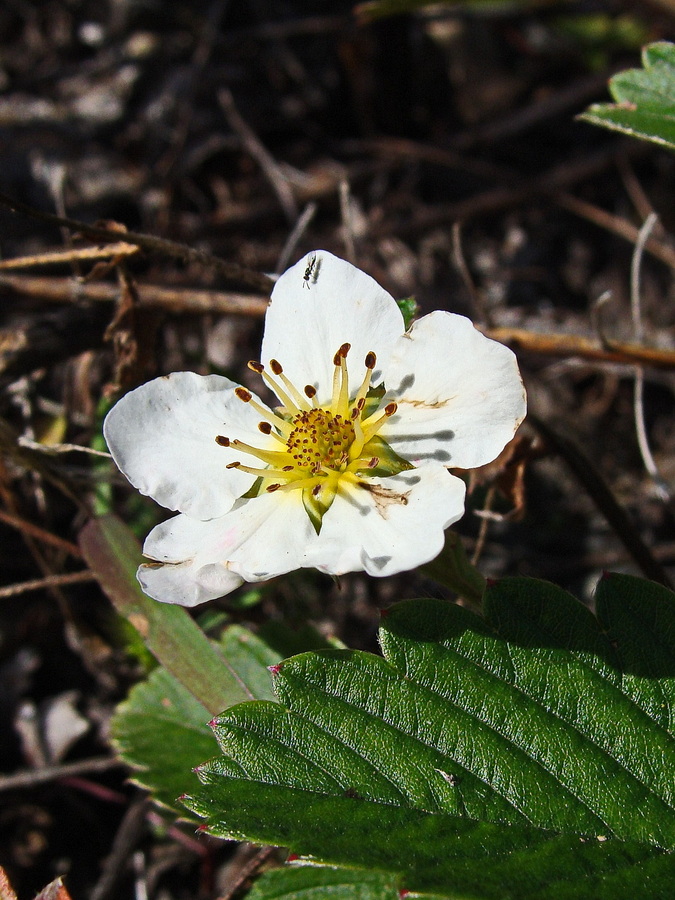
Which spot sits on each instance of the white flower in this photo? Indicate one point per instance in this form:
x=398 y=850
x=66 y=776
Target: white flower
x=349 y=473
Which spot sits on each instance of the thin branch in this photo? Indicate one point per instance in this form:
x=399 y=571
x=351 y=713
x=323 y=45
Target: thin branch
x=638 y=386
x=37 y=777
x=46 y=583
x=149 y=242
x=40 y=534
x=588 y=474
x=346 y=219
x=480 y=311
x=176 y=300
x=570 y=345
x=620 y=227
x=261 y=154
x=295 y=236
x=126 y=839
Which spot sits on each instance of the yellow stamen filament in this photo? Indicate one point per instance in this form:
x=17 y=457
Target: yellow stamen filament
x=278 y=422
x=343 y=398
x=261 y=473
x=296 y=485
x=300 y=399
x=321 y=447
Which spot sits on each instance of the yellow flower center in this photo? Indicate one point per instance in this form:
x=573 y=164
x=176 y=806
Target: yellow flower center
x=320 y=440
x=322 y=449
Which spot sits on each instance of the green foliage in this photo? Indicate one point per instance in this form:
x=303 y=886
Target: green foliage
x=113 y=555
x=319 y=882
x=409 y=310
x=162 y=731
x=530 y=754
x=645 y=99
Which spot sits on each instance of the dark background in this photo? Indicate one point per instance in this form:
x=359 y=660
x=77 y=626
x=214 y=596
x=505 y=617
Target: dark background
x=217 y=125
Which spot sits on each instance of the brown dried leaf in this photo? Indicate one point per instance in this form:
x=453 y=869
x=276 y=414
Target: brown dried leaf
x=6 y=890
x=507 y=473
x=55 y=890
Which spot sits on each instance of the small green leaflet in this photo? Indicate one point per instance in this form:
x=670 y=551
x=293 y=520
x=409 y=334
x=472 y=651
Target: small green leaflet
x=529 y=755
x=162 y=730
x=645 y=99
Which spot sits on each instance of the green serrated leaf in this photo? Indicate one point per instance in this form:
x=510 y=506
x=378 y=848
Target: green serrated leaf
x=323 y=883
x=531 y=744
x=645 y=98
x=161 y=730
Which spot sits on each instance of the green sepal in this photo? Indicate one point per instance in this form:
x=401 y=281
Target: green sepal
x=409 y=310
x=253 y=491
x=373 y=401
x=317 y=505
x=390 y=463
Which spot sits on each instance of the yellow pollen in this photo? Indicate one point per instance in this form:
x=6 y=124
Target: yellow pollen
x=320 y=438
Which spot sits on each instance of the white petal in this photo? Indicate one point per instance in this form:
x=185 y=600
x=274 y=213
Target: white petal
x=395 y=524
x=163 y=438
x=460 y=396
x=309 y=320
x=257 y=540
x=187 y=584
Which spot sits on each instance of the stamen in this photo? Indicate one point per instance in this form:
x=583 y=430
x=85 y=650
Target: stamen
x=343 y=397
x=297 y=484
x=277 y=421
x=291 y=398
x=373 y=424
x=370 y=362
x=293 y=392
x=359 y=441
x=273 y=457
x=223 y=441
x=265 y=427
x=262 y=473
